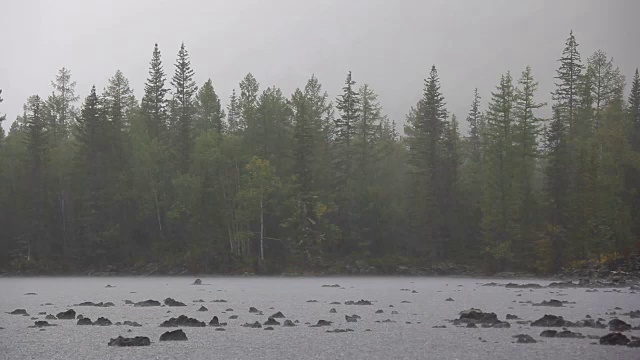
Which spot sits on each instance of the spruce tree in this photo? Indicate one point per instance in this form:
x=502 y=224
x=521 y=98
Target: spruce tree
x=248 y=101
x=568 y=76
x=184 y=92
x=61 y=102
x=233 y=113
x=368 y=130
x=209 y=113
x=475 y=121
x=154 y=102
x=634 y=111
x=2 y=118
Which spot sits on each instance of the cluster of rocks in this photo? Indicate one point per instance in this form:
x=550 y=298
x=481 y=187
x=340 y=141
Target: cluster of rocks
x=183 y=320
x=101 y=321
x=100 y=304
x=558 y=321
x=359 y=302
x=474 y=317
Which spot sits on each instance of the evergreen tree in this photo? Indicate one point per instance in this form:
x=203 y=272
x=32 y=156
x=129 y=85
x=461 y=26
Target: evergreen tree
x=568 y=75
x=2 y=118
x=606 y=83
x=154 y=103
x=209 y=113
x=61 y=104
x=634 y=111
x=248 y=101
x=233 y=113
x=475 y=121
x=183 y=110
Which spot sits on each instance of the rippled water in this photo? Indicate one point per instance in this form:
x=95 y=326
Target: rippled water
x=398 y=340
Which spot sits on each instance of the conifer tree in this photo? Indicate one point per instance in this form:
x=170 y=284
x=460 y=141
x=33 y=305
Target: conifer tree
x=606 y=83
x=61 y=104
x=209 y=113
x=568 y=76
x=233 y=113
x=475 y=121
x=248 y=101
x=183 y=110
x=154 y=102
x=2 y=118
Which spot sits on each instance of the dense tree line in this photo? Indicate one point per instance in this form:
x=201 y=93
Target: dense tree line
x=275 y=183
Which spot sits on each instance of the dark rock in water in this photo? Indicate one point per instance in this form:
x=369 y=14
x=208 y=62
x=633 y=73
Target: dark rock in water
x=449 y=299
x=202 y=308
x=147 y=303
x=405 y=302
x=350 y=318
x=335 y=303
x=198 y=301
x=634 y=314
x=131 y=323
x=477 y=316
x=271 y=322
x=332 y=286
x=197 y=282
x=278 y=315
x=268 y=328
x=414 y=292
x=312 y=301
x=439 y=327
x=549 y=333
x=101 y=321
x=379 y=311
x=109 y=286
x=589 y=323
x=563 y=285
x=551 y=321
x=67 y=315
x=233 y=317
x=359 y=302
x=19 y=312
x=220 y=329
x=80 y=317
x=522 y=286
x=128 y=302
x=183 y=320
x=614 y=339
x=322 y=323
x=31 y=293
x=387 y=321
x=51 y=317
x=569 y=335
x=472 y=325
x=512 y=317
x=136 y=341
x=219 y=301
x=253 y=310
x=255 y=325
x=339 y=331
x=635 y=342
x=525 y=339
x=214 y=321
x=497 y=325
x=618 y=325
x=552 y=302
x=84 y=321
x=41 y=324
x=100 y=304
x=288 y=323
x=175 y=335
x=42 y=313
x=333 y=311
x=172 y=303
x=491 y=284
x=229 y=309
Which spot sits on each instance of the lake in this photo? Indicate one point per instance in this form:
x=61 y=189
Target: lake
x=424 y=309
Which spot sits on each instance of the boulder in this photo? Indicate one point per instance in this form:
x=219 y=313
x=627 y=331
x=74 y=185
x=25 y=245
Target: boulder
x=618 y=325
x=549 y=333
x=100 y=304
x=233 y=317
x=614 y=339
x=175 y=335
x=128 y=302
x=202 y=308
x=131 y=323
x=147 y=303
x=350 y=318
x=67 y=315
x=136 y=341
x=525 y=339
x=379 y=311
x=339 y=330
x=449 y=299
x=635 y=342
x=288 y=323
x=41 y=323
x=271 y=322
x=634 y=314
x=214 y=321
x=472 y=325
x=278 y=315
x=102 y=321
x=255 y=325
x=512 y=317
x=19 y=312
x=552 y=302
x=322 y=323
x=335 y=303
x=497 y=325
x=569 y=335
x=522 y=286
x=253 y=310
x=197 y=282
x=219 y=301
x=332 y=286
x=50 y=317
x=359 y=302
x=477 y=316
x=551 y=321
x=84 y=321
x=172 y=303
x=183 y=320
x=333 y=311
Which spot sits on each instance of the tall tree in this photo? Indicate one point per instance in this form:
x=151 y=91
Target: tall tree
x=606 y=83
x=154 y=102
x=475 y=121
x=248 y=101
x=2 y=118
x=209 y=113
x=61 y=102
x=568 y=76
x=233 y=113
x=184 y=91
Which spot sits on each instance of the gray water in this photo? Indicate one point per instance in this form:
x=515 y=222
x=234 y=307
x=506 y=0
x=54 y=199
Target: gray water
x=398 y=340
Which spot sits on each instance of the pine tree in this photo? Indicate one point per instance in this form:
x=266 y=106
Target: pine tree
x=154 y=103
x=248 y=101
x=568 y=75
x=634 y=111
x=527 y=129
x=606 y=83
x=368 y=130
x=475 y=121
x=2 y=118
x=184 y=91
x=209 y=113
x=61 y=104
x=119 y=102
x=233 y=113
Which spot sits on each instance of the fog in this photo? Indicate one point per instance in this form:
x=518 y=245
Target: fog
x=391 y=46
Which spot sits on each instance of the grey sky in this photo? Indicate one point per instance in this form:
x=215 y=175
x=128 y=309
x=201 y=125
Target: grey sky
x=389 y=44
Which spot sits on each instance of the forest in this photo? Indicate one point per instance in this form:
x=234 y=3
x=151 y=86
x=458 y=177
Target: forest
x=275 y=183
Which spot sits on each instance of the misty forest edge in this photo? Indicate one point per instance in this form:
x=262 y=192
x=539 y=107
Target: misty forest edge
x=307 y=184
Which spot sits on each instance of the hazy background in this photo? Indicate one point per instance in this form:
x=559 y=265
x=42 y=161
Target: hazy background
x=389 y=44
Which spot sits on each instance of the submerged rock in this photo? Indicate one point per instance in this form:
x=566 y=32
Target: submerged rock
x=288 y=323
x=19 y=312
x=171 y=302
x=41 y=324
x=618 y=325
x=175 y=335
x=147 y=303
x=333 y=311
x=233 y=317
x=67 y=315
x=512 y=317
x=183 y=320
x=351 y=318
x=449 y=299
x=131 y=323
x=202 y=308
x=268 y=328
x=614 y=339
x=322 y=323
x=359 y=302
x=379 y=311
x=278 y=315
x=84 y=321
x=332 y=286
x=102 y=321
x=339 y=330
x=552 y=302
x=50 y=317
x=525 y=339
x=100 y=304
x=271 y=322
x=136 y=341
x=634 y=314
x=551 y=321
x=253 y=310
x=255 y=325
x=197 y=282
